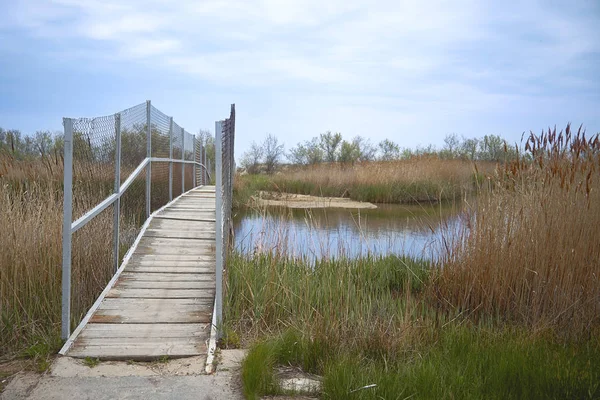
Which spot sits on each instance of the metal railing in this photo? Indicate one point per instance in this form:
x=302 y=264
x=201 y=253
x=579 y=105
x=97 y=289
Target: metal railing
x=105 y=157
x=225 y=171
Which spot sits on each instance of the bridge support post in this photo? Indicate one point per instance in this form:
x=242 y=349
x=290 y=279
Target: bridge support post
x=171 y=158
x=117 y=204
x=148 y=154
x=67 y=234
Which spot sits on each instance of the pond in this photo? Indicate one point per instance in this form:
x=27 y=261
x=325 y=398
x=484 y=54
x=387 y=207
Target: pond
x=412 y=230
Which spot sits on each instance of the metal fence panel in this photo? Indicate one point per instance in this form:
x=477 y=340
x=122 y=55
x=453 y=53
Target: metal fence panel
x=225 y=169
x=118 y=169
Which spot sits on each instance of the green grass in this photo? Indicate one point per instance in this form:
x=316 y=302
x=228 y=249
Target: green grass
x=462 y=362
x=371 y=321
x=41 y=350
x=266 y=293
x=91 y=362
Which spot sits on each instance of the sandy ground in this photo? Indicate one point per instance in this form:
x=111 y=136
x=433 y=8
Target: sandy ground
x=306 y=201
x=175 y=379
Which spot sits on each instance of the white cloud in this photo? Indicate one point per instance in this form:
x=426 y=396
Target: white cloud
x=351 y=61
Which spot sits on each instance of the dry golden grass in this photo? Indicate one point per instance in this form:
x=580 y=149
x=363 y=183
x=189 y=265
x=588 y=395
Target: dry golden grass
x=31 y=210
x=31 y=253
x=419 y=179
x=532 y=253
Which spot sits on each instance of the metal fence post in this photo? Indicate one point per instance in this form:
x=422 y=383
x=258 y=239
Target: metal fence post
x=66 y=234
x=203 y=162
x=171 y=158
x=117 y=205
x=219 y=223
x=148 y=154
x=182 y=159
x=194 y=159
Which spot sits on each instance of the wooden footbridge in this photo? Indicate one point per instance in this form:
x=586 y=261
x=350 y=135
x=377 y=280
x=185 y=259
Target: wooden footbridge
x=164 y=299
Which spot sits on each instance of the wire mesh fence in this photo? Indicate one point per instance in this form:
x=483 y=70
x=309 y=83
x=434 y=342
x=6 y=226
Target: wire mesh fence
x=118 y=169
x=225 y=170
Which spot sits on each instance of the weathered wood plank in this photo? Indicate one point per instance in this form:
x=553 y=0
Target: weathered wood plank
x=172 y=257
x=175 y=234
x=188 y=218
x=161 y=293
x=182 y=225
x=151 y=316
x=166 y=277
x=147 y=331
x=176 y=242
x=206 y=263
x=160 y=263
x=175 y=250
x=140 y=352
x=136 y=341
x=171 y=270
x=114 y=303
x=146 y=284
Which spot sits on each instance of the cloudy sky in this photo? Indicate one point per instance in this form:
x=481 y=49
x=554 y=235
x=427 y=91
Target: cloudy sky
x=412 y=71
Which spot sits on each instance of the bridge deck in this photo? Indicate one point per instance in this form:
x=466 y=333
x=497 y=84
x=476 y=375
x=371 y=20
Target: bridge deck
x=161 y=304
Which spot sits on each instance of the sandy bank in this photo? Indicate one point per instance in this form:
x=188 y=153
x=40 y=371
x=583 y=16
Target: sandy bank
x=305 y=201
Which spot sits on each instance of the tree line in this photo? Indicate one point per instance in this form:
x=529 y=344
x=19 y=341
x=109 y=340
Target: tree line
x=49 y=146
x=331 y=147
x=41 y=144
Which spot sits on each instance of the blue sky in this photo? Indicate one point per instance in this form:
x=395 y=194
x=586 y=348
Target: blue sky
x=409 y=71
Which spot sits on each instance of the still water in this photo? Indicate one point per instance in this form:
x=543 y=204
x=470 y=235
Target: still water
x=411 y=230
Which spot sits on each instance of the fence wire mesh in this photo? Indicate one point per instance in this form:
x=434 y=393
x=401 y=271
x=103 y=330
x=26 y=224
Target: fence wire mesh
x=93 y=162
x=177 y=155
x=225 y=171
x=106 y=152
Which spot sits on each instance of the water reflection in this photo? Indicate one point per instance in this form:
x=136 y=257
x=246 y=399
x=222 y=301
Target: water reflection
x=332 y=233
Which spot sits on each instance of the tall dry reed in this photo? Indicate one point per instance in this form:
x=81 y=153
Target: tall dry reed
x=31 y=212
x=531 y=253
x=416 y=180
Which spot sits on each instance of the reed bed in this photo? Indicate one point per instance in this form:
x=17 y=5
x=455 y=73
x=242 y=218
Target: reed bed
x=31 y=210
x=531 y=254
x=422 y=179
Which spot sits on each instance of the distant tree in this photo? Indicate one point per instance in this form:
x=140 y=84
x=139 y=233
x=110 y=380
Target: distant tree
x=451 y=146
x=491 y=148
x=425 y=151
x=43 y=142
x=330 y=143
x=314 y=153
x=252 y=158
x=2 y=139
x=349 y=152
x=407 y=153
x=307 y=153
x=14 y=142
x=468 y=148
x=273 y=153
x=366 y=151
x=298 y=155
x=388 y=150
x=207 y=140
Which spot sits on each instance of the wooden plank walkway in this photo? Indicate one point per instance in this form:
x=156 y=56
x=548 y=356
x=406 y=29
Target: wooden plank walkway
x=161 y=304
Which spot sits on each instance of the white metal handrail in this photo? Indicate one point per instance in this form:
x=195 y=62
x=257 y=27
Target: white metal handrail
x=88 y=216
